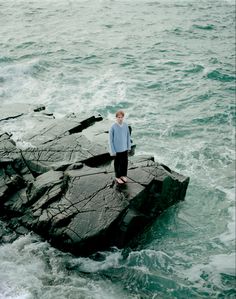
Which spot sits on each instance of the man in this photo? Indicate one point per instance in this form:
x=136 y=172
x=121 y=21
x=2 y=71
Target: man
x=120 y=144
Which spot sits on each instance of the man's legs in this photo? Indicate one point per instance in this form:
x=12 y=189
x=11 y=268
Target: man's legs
x=124 y=165
x=121 y=166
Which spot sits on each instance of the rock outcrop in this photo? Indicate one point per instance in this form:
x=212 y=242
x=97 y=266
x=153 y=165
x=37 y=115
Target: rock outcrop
x=62 y=186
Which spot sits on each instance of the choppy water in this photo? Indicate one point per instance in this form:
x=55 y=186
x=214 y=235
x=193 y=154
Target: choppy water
x=171 y=66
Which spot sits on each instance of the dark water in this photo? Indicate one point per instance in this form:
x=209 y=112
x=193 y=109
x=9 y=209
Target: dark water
x=171 y=66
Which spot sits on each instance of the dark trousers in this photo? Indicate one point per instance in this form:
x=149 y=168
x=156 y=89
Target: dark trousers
x=121 y=164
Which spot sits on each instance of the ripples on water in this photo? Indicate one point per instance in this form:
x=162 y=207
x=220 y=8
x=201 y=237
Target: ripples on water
x=171 y=66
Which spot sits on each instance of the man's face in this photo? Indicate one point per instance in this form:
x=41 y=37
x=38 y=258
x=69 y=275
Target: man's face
x=120 y=118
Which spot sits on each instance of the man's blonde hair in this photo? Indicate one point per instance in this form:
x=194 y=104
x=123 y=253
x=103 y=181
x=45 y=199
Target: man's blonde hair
x=120 y=112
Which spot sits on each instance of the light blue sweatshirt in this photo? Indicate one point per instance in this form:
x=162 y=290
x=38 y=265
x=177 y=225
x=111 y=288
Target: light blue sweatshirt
x=119 y=138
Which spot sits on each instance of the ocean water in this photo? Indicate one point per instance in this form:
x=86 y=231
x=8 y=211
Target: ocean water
x=171 y=66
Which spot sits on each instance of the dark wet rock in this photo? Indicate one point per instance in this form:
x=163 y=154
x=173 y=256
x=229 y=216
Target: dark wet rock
x=52 y=129
x=62 y=187
x=39 y=108
x=7 y=235
x=9 y=111
x=64 y=152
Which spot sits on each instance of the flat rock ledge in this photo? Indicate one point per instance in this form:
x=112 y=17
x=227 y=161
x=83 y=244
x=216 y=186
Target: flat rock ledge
x=62 y=186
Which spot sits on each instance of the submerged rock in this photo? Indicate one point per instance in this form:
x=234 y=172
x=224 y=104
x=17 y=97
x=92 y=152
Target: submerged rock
x=63 y=187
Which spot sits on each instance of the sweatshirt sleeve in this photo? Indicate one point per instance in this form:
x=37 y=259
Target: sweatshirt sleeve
x=111 y=141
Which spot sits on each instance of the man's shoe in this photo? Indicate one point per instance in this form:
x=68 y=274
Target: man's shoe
x=124 y=179
x=119 y=181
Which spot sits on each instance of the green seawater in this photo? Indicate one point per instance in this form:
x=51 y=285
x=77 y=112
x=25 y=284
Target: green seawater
x=171 y=66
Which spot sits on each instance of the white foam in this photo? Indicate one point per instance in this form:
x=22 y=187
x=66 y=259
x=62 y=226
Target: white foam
x=20 y=268
x=149 y=261
x=228 y=236
x=224 y=263
x=105 y=90
x=18 y=128
x=19 y=84
x=217 y=265
x=29 y=266
x=112 y=260
x=17 y=294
